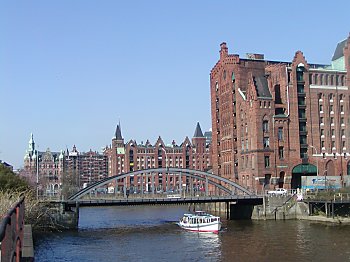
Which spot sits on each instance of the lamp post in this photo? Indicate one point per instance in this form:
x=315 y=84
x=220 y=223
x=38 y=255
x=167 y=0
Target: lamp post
x=325 y=178
x=166 y=166
x=316 y=158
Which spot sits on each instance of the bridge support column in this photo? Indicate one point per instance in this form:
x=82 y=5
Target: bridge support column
x=206 y=186
x=227 y=210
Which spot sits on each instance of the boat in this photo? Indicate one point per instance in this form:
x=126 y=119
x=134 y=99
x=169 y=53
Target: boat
x=200 y=221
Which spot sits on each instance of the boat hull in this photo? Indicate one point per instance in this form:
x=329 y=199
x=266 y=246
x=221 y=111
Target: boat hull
x=212 y=227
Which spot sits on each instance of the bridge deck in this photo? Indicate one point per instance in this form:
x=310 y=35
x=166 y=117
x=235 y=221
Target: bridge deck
x=239 y=199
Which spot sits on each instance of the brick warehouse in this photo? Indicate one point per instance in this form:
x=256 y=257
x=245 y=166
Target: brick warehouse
x=132 y=156
x=273 y=121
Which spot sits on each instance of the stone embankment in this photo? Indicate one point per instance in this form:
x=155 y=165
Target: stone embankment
x=284 y=207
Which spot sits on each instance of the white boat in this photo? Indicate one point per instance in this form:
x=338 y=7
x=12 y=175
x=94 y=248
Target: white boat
x=200 y=222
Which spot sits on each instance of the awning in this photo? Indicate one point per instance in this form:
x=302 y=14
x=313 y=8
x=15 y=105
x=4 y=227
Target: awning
x=304 y=169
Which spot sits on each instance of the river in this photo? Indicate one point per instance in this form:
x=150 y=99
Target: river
x=149 y=233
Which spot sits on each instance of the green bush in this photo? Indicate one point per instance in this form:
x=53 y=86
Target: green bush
x=9 y=181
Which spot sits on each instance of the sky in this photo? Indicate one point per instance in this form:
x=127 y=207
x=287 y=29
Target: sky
x=70 y=71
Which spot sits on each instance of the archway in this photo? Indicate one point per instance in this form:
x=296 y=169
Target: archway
x=302 y=170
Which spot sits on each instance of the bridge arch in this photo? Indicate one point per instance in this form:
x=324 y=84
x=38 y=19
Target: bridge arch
x=219 y=182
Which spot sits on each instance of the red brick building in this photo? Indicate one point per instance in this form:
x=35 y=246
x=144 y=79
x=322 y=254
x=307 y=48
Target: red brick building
x=86 y=167
x=273 y=121
x=131 y=156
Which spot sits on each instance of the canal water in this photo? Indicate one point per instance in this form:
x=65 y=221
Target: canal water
x=149 y=233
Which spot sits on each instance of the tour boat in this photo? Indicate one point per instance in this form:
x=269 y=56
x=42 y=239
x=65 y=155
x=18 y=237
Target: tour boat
x=200 y=222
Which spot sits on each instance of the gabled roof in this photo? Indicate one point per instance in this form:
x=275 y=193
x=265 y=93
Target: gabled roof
x=262 y=88
x=338 y=53
x=198 y=132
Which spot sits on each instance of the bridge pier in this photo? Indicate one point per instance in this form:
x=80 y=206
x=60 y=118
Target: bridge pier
x=64 y=216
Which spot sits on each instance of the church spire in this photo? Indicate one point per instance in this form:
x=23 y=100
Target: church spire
x=118 y=133
x=198 y=132
x=31 y=143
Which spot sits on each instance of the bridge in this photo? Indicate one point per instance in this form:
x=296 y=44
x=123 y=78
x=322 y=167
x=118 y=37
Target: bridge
x=185 y=183
x=182 y=186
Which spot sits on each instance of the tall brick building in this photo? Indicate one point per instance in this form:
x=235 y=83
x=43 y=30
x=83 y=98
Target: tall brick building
x=274 y=121
x=132 y=156
x=85 y=167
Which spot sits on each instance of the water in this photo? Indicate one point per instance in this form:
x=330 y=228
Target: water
x=149 y=233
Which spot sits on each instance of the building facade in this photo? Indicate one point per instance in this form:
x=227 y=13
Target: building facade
x=131 y=156
x=274 y=122
x=49 y=170
x=86 y=167
x=44 y=169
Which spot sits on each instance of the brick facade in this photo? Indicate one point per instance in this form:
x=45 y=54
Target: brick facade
x=132 y=156
x=273 y=122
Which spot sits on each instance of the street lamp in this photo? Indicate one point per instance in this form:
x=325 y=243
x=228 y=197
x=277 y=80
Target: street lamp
x=316 y=158
x=325 y=179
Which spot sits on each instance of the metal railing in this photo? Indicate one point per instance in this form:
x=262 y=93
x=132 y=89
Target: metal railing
x=11 y=233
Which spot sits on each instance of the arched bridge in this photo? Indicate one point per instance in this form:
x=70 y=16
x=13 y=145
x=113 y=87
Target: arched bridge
x=193 y=186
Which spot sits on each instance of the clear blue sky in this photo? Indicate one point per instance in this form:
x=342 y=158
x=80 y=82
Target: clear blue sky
x=70 y=70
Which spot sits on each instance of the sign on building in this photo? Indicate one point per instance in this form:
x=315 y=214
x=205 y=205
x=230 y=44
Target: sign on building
x=320 y=182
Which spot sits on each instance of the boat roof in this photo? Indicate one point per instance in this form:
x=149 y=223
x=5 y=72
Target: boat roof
x=199 y=214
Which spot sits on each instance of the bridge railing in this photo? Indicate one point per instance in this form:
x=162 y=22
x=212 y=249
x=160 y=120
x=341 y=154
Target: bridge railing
x=11 y=233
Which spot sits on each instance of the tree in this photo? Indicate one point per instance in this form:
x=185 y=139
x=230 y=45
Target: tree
x=69 y=184
x=9 y=181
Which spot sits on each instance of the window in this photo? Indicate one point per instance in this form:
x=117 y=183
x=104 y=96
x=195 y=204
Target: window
x=267 y=161
x=341 y=109
x=266 y=142
x=280 y=133
x=321 y=108
x=322 y=144
x=343 y=133
x=280 y=152
x=322 y=132
x=341 y=97
x=300 y=73
x=331 y=109
x=333 y=133
x=267 y=179
x=303 y=153
x=333 y=144
x=265 y=126
x=332 y=120
x=331 y=97
x=342 y=121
